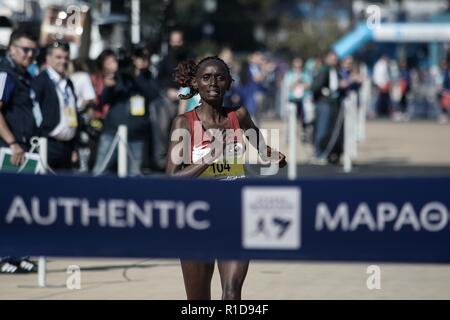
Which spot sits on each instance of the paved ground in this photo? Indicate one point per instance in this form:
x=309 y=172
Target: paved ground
x=161 y=279
x=416 y=148
x=391 y=148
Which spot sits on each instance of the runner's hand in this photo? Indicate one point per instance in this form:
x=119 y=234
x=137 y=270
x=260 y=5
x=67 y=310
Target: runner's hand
x=218 y=147
x=274 y=156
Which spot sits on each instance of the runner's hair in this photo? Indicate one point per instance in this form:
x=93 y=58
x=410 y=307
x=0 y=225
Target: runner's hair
x=185 y=73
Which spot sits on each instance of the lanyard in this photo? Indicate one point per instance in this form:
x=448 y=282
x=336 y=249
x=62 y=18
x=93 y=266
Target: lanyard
x=65 y=93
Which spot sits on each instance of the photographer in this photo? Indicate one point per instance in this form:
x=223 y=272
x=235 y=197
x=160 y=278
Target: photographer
x=127 y=106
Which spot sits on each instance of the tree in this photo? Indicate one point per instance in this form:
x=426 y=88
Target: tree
x=304 y=37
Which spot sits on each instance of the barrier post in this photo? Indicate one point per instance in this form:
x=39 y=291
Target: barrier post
x=292 y=128
x=122 y=151
x=135 y=22
x=284 y=108
x=365 y=95
x=354 y=124
x=347 y=159
x=42 y=261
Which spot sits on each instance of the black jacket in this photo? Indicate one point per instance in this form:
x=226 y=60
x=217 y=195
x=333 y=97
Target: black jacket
x=118 y=98
x=321 y=87
x=48 y=100
x=18 y=111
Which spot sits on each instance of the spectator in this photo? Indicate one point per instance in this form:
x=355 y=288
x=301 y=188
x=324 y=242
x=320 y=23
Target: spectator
x=402 y=89
x=244 y=93
x=19 y=116
x=84 y=89
x=327 y=88
x=296 y=86
x=162 y=112
x=176 y=53
x=149 y=87
x=85 y=93
x=405 y=86
x=310 y=71
x=141 y=71
x=444 y=93
x=106 y=67
x=56 y=95
x=127 y=107
x=258 y=67
x=227 y=55
x=382 y=80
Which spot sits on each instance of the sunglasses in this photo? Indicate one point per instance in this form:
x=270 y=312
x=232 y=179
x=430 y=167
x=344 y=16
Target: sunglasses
x=59 y=44
x=26 y=50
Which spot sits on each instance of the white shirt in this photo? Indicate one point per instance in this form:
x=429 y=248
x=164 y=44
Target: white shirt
x=63 y=131
x=84 y=90
x=333 y=81
x=381 y=73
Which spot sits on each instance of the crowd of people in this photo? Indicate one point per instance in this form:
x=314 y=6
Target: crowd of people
x=79 y=105
x=405 y=91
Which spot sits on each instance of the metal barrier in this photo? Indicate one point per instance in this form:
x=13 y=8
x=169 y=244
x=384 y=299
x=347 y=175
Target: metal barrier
x=350 y=130
x=351 y=114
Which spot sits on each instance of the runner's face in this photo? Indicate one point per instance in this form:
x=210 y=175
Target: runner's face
x=213 y=81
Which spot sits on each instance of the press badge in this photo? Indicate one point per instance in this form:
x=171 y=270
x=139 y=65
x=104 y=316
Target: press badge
x=137 y=106
x=71 y=116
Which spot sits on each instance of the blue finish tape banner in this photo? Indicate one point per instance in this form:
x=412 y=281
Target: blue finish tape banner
x=343 y=219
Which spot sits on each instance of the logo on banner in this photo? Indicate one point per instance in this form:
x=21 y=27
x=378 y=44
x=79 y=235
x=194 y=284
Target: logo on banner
x=271 y=217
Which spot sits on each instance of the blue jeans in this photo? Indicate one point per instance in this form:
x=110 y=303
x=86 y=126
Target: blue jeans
x=134 y=160
x=322 y=127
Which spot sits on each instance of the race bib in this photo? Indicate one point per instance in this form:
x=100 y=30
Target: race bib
x=137 y=106
x=229 y=167
x=224 y=169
